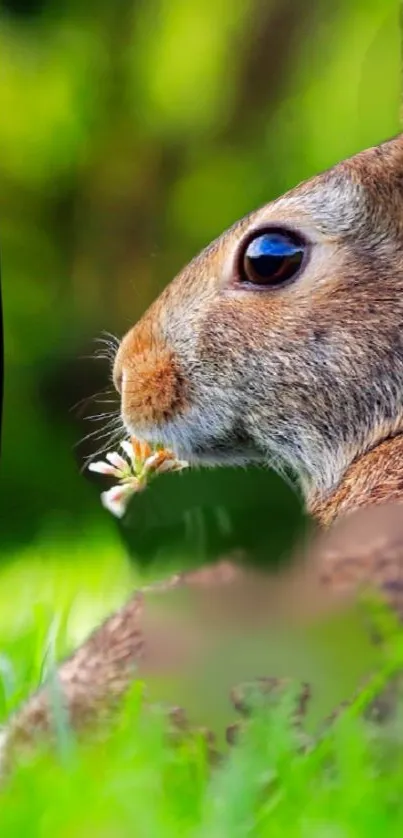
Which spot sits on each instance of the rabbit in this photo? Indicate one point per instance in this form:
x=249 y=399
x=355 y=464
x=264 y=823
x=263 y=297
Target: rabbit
x=280 y=344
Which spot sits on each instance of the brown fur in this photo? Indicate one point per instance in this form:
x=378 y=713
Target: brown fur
x=376 y=477
x=307 y=378
x=153 y=383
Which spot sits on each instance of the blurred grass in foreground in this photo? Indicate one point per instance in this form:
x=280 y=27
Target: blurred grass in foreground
x=135 y=783
x=52 y=596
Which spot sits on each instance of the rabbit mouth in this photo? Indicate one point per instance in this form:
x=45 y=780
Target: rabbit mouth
x=200 y=443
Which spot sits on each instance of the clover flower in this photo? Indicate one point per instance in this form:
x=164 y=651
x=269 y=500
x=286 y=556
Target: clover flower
x=133 y=471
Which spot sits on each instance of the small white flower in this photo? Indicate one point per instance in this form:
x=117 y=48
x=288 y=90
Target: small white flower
x=133 y=476
x=102 y=468
x=127 y=448
x=116 y=500
x=119 y=463
x=152 y=462
x=172 y=465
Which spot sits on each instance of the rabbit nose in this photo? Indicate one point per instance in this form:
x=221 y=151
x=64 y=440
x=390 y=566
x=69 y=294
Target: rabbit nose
x=148 y=378
x=117 y=375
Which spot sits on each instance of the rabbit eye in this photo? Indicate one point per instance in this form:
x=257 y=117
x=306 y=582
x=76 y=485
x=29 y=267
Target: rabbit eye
x=271 y=258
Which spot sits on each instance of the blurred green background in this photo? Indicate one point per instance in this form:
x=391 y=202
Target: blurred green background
x=131 y=134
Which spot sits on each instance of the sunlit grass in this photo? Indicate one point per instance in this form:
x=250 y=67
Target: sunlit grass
x=52 y=594
x=133 y=782
x=87 y=577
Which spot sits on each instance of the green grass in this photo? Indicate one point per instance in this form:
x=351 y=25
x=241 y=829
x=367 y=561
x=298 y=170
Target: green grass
x=133 y=782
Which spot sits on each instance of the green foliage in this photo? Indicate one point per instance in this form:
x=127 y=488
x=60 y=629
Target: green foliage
x=197 y=516
x=133 y=781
